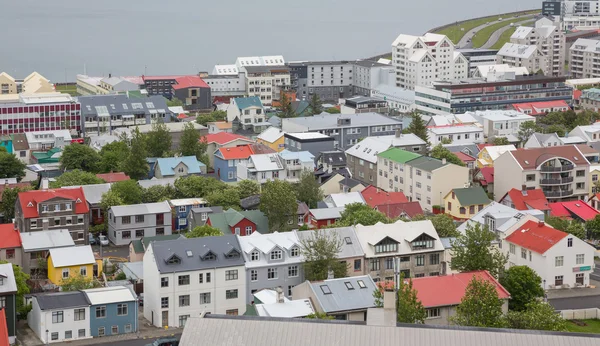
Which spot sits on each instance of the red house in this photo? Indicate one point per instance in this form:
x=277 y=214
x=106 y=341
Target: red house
x=324 y=217
x=407 y=210
x=239 y=222
x=526 y=199
x=576 y=210
x=10 y=243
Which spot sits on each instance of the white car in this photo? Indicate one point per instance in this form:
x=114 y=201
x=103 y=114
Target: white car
x=103 y=240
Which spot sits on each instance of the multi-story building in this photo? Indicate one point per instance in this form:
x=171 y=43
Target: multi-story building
x=223 y=140
x=45 y=209
x=113 y=310
x=549 y=39
x=313 y=142
x=160 y=85
x=297 y=162
x=412 y=248
x=248 y=111
x=37 y=246
x=286 y=165
x=463 y=203
x=457 y=134
x=583 y=55
x=364 y=104
x=489 y=71
x=499 y=92
x=562 y=172
x=189 y=277
x=193 y=92
x=34 y=83
x=489 y=154
x=369 y=74
x=590 y=99
x=132 y=222
x=501 y=123
x=589 y=133
x=181 y=211
x=523 y=55
x=272 y=260
x=227 y=85
x=421 y=60
x=478 y=57
x=398 y=99
x=45 y=140
x=266 y=82
x=89 y=85
x=329 y=80
x=346 y=129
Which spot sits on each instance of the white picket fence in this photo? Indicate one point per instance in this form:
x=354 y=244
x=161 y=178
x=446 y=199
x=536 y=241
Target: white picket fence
x=581 y=314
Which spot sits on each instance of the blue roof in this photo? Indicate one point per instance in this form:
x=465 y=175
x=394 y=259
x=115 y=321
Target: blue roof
x=167 y=164
x=245 y=102
x=296 y=155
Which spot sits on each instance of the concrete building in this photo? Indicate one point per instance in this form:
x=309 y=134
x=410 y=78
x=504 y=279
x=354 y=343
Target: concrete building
x=227 y=85
x=501 y=123
x=457 y=134
x=421 y=60
x=160 y=85
x=45 y=140
x=398 y=99
x=131 y=222
x=193 y=92
x=581 y=58
x=549 y=39
x=34 y=83
x=266 y=82
x=590 y=99
x=483 y=71
x=313 y=142
x=329 y=80
x=524 y=55
x=369 y=75
x=477 y=57
x=91 y=85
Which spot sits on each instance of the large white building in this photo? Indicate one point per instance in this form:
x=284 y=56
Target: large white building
x=456 y=133
x=501 y=123
x=549 y=39
x=421 y=60
x=582 y=55
x=523 y=55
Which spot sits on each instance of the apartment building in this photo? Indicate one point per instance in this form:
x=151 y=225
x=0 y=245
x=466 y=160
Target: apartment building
x=160 y=85
x=501 y=123
x=477 y=57
x=369 y=75
x=550 y=41
x=329 y=80
x=248 y=111
x=590 y=99
x=421 y=60
x=523 y=55
x=562 y=172
x=589 y=133
x=483 y=71
x=189 y=277
x=398 y=99
x=583 y=57
x=457 y=134
x=34 y=83
x=491 y=93
x=45 y=140
x=227 y=85
x=193 y=92
x=132 y=222
x=346 y=129
x=266 y=82
x=422 y=179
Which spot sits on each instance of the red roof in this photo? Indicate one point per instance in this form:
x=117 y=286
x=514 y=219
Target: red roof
x=488 y=174
x=374 y=196
x=534 y=199
x=449 y=290
x=538 y=108
x=9 y=236
x=29 y=200
x=240 y=152
x=464 y=157
x=189 y=82
x=571 y=209
x=223 y=138
x=480 y=146
x=411 y=209
x=536 y=236
x=12 y=186
x=182 y=116
x=577 y=94
x=113 y=177
x=4 y=341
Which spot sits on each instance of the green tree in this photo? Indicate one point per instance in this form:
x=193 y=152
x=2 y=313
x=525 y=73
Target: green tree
x=320 y=252
x=480 y=306
x=358 y=213
x=22 y=289
x=129 y=191
x=474 y=251
x=278 y=203
x=227 y=198
x=559 y=223
x=135 y=166
x=203 y=231
x=191 y=145
x=196 y=186
x=76 y=177
x=537 y=316
x=308 y=189
x=110 y=199
x=174 y=102
x=315 y=105
x=78 y=282
x=319 y=316
x=113 y=156
x=500 y=141
x=332 y=110
x=11 y=166
x=526 y=130
x=158 y=193
x=524 y=286
x=79 y=156
x=446 y=141
x=443 y=224
x=247 y=188
x=440 y=152
x=158 y=140
x=287 y=111
x=7 y=203
x=593 y=226
x=418 y=127
x=409 y=307
x=559 y=129
x=217 y=115
x=576 y=229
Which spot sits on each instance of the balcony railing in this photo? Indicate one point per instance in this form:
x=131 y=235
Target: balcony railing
x=560 y=181
x=562 y=168
x=558 y=194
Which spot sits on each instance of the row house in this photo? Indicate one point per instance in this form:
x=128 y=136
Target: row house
x=131 y=222
x=181 y=210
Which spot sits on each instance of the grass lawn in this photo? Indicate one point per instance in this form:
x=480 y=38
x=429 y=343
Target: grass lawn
x=483 y=35
x=505 y=37
x=593 y=326
x=455 y=33
x=69 y=89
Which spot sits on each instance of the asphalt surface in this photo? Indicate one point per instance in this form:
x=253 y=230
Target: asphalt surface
x=576 y=303
x=136 y=342
x=112 y=251
x=495 y=36
x=465 y=41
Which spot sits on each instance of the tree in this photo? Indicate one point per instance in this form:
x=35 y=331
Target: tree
x=278 y=203
x=418 y=127
x=158 y=140
x=196 y=186
x=446 y=141
x=319 y=316
x=76 y=177
x=286 y=107
x=135 y=166
x=320 y=252
x=443 y=224
x=22 y=289
x=203 y=231
x=440 y=152
x=559 y=129
x=174 y=102
x=78 y=282
x=524 y=286
x=474 y=251
x=218 y=115
x=409 y=308
x=315 y=105
x=480 y=306
x=559 y=223
x=113 y=156
x=7 y=203
x=227 y=198
x=593 y=226
x=332 y=110
x=527 y=129
x=79 y=156
x=129 y=191
x=576 y=229
x=247 y=188
x=191 y=145
x=537 y=316
x=204 y=119
x=11 y=166
x=158 y=193
x=110 y=199
x=500 y=141
x=308 y=189
x=358 y=213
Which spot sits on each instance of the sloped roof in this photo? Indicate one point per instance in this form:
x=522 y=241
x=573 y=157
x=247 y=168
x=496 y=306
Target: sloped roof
x=236 y=153
x=464 y=157
x=488 y=174
x=9 y=236
x=29 y=200
x=4 y=341
x=374 y=196
x=569 y=209
x=271 y=134
x=72 y=256
x=109 y=295
x=398 y=155
x=168 y=164
x=343 y=199
x=291 y=309
x=531 y=158
x=351 y=246
x=302 y=156
x=327 y=213
x=536 y=236
x=112 y=177
x=224 y=138
x=517 y=50
x=61 y=300
x=494 y=151
x=245 y=102
x=411 y=209
x=341 y=297
x=141 y=209
x=471 y=196
x=44 y=240
x=189 y=82
x=533 y=199
x=231 y=217
x=7 y=273
x=140 y=245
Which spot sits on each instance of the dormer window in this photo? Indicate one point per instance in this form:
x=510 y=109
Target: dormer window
x=44 y=208
x=490 y=222
x=209 y=257
x=386 y=245
x=29 y=205
x=174 y=260
x=67 y=206
x=1 y=281
x=295 y=252
x=255 y=256
x=233 y=254
x=423 y=241
x=276 y=254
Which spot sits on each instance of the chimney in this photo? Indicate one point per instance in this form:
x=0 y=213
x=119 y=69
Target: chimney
x=524 y=190
x=398 y=133
x=443 y=161
x=44 y=186
x=45 y=224
x=541 y=224
x=279 y=295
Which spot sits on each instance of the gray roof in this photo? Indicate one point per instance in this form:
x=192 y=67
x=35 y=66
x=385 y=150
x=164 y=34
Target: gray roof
x=349 y=249
x=61 y=300
x=343 y=298
x=221 y=330
x=115 y=104
x=447 y=242
x=154 y=182
x=333 y=158
x=141 y=209
x=473 y=149
x=7 y=273
x=44 y=240
x=319 y=122
x=197 y=247
x=215 y=209
x=93 y=193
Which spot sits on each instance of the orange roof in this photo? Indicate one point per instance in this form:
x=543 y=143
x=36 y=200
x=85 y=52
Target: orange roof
x=374 y=196
x=113 y=177
x=239 y=152
x=223 y=138
x=448 y=290
x=9 y=236
x=222 y=125
x=29 y=200
x=464 y=157
x=189 y=82
x=536 y=236
x=533 y=199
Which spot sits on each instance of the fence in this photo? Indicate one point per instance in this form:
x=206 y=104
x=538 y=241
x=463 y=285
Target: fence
x=581 y=314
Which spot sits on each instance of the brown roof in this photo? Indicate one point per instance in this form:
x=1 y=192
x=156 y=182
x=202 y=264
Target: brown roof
x=533 y=157
x=586 y=149
x=20 y=142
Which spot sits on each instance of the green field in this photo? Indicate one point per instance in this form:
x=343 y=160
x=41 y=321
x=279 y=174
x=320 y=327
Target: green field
x=483 y=35
x=69 y=89
x=505 y=37
x=593 y=326
x=455 y=33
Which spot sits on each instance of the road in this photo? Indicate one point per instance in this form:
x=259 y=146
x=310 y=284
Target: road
x=112 y=251
x=495 y=36
x=137 y=342
x=465 y=41
x=575 y=303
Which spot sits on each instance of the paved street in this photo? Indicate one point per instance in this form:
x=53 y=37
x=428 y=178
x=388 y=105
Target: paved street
x=465 y=40
x=495 y=36
x=137 y=342
x=576 y=303
x=112 y=251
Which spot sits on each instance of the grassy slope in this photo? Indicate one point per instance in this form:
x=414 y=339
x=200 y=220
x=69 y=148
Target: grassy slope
x=69 y=89
x=505 y=37
x=593 y=326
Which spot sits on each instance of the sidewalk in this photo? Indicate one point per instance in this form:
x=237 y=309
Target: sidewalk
x=575 y=292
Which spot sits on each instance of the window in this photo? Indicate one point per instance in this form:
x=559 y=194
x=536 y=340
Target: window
x=79 y=315
x=386 y=245
x=462 y=210
x=100 y=311
x=164 y=302
x=65 y=273
x=276 y=254
x=83 y=271
x=231 y=275
x=255 y=255
x=54 y=336
x=559 y=261
x=10 y=253
x=81 y=333
x=182 y=221
x=122 y=309
x=570 y=242
x=231 y=294
x=183 y=280
x=449 y=206
x=357 y=265
x=248 y=230
x=272 y=273
x=58 y=317
x=139 y=233
x=126 y=235
x=183 y=320
x=512 y=248
x=580 y=186
x=579 y=258
x=125 y=220
x=184 y=300
x=139 y=218
x=389 y=263
x=101 y=331
x=114 y=330
x=434 y=258
x=558 y=280
x=128 y=328
x=204 y=298
x=530 y=177
x=420 y=260
x=164 y=282
x=253 y=275
x=207 y=277
x=421 y=275
x=374 y=264
x=580 y=173
x=433 y=313
x=523 y=254
x=293 y=271
x=294 y=252
x=232 y=312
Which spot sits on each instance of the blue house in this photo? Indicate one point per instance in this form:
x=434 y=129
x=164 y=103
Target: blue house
x=113 y=310
x=226 y=160
x=175 y=167
x=182 y=208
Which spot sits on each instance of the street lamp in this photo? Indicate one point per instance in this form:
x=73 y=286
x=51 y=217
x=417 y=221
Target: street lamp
x=47 y=341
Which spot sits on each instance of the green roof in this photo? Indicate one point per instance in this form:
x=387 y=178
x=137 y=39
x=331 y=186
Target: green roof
x=471 y=196
x=231 y=217
x=250 y=310
x=46 y=156
x=245 y=102
x=139 y=245
x=426 y=163
x=398 y=155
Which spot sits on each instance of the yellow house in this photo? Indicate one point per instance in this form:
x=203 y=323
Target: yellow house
x=70 y=261
x=464 y=203
x=272 y=137
x=594 y=178
x=488 y=155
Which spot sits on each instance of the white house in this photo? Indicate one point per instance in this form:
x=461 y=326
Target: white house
x=590 y=133
x=45 y=140
x=539 y=140
x=286 y=165
x=60 y=317
x=188 y=277
x=131 y=222
x=296 y=162
x=560 y=259
x=458 y=134
x=501 y=123
x=247 y=110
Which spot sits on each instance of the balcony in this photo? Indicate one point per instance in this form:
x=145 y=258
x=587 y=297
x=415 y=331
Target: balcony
x=558 y=194
x=558 y=181
x=562 y=168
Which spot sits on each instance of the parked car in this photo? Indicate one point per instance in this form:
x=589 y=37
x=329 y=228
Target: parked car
x=92 y=239
x=103 y=240
x=165 y=342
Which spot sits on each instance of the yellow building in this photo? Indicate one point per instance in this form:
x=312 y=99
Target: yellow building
x=594 y=178
x=488 y=155
x=35 y=83
x=8 y=85
x=272 y=137
x=464 y=203
x=70 y=261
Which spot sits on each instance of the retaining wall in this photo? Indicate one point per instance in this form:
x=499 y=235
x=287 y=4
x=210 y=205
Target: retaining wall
x=581 y=314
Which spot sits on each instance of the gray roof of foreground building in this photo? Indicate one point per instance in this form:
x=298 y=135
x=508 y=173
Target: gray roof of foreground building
x=122 y=104
x=318 y=122
x=345 y=294
x=61 y=300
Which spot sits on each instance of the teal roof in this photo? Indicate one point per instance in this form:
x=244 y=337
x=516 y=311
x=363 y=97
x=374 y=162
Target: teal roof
x=245 y=102
x=300 y=107
x=139 y=245
x=426 y=163
x=168 y=164
x=231 y=217
x=398 y=155
x=250 y=310
x=47 y=156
